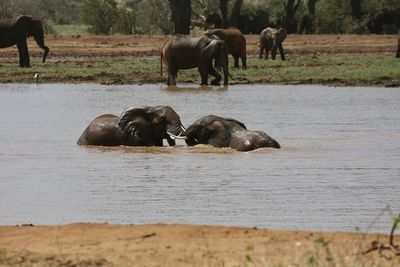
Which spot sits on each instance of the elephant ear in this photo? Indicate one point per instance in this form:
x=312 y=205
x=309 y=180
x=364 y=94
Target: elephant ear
x=23 y=25
x=282 y=33
x=241 y=124
x=210 y=51
x=219 y=135
x=135 y=123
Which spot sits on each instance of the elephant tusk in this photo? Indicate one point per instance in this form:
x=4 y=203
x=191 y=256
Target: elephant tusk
x=176 y=136
x=183 y=129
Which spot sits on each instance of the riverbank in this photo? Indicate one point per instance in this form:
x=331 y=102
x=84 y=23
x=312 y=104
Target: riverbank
x=183 y=245
x=118 y=59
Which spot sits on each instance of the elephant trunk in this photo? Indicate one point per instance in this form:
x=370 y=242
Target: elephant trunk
x=176 y=132
x=40 y=42
x=273 y=49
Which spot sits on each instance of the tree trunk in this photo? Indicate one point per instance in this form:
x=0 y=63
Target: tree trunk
x=311 y=7
x=356 y=9
x=234 y=20
x=181 y=12
x=223 y=6
x=290 y=22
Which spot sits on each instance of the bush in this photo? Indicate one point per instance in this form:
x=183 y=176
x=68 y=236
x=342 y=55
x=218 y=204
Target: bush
x=105 y=17
x=154 y=17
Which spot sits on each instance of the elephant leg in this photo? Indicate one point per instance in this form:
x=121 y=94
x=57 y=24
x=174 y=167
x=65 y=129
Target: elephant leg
x=203 y=74
x=23 y=52
x=171 y=76
x=244 y=61
x=216 y=74
x=261 y=51
x=281 y=52
x=236 y=61
x=266 y=53
x=273 y=52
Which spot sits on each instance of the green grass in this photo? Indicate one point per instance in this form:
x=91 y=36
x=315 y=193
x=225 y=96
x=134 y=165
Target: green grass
x=336 y=69
x=71 y=29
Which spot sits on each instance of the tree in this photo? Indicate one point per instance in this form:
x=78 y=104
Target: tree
x=223 y=6
x=181 y=12
x=290 y=10
x=99 y=15
x=356 y=9
x=234 y=19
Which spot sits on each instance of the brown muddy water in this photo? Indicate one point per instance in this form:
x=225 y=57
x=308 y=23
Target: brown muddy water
x=339 y=165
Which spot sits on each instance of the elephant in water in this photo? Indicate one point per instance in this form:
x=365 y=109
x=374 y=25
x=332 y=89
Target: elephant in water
x=226 y=132
x=235 y=41
x=272 y=39
x=182 y=52
x=16 y=33
x=146 y=126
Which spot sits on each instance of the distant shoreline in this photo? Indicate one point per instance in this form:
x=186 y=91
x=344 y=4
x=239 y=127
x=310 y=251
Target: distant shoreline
x=337 y=60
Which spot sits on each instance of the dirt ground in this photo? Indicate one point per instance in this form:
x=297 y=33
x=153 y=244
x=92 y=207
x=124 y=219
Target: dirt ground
x=184 y=245
x=149 y=45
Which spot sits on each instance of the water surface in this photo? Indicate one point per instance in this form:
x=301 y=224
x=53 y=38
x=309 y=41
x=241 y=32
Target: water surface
x=339 y=165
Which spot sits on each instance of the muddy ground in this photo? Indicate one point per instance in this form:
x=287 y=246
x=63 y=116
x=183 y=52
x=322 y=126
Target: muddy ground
x=184 y=245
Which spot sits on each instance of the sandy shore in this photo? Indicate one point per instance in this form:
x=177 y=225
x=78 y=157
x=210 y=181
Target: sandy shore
x=184 y=245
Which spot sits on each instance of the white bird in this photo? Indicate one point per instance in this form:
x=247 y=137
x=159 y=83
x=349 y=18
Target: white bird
x=36 y=76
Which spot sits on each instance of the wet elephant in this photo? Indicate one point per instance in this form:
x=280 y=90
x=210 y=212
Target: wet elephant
x=146 y=126
x=226 y=132
x=182 y=52
x=235 y=41
x=272 y=39
x=15 y=33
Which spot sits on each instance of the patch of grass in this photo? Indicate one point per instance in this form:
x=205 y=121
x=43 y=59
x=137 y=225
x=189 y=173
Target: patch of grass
x=71 y=29
x=337 y=69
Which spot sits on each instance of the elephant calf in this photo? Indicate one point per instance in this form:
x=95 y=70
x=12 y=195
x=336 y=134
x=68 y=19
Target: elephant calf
x=15 y=33
x=182 y=52
x=226 y=132
x=272 y=39
x=146 y=126
x=235 y=41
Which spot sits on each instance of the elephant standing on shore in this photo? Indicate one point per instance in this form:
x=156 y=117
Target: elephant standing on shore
x=15 y=33
x=146 y=126
x=235 y=41
x=226 y=132
x=272 y=39
x=182 y=52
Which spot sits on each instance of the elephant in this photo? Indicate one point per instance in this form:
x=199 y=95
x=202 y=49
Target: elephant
x=16 y=33
x=146 y=126
x=226 y=132
x=182 y=52
x=377 y=21
x=213 y=21
x=235 y=41
x=272 y=39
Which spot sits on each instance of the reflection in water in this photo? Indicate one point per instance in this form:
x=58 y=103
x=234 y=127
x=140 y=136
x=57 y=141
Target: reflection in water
x=195 y=89
x=338 y=166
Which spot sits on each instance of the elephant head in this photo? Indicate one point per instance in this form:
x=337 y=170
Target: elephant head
x=26 y=26
x=218 y=51
x=226 y=132
x=277 y=39
x=152 y=124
